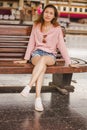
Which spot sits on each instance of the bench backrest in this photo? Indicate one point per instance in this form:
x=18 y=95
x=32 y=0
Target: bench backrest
x=13 y=41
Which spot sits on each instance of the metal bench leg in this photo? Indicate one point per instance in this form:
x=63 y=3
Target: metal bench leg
x=62 y=82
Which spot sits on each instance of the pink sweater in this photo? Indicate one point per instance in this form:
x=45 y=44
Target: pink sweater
x=54 y=40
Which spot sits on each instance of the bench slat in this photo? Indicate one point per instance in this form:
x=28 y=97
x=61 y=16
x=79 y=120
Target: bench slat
x=9 y=50
x=12 y=41
x=17 y=44
x=10 y=59
x=15 y=30
x=4 y=55
x=11 y=36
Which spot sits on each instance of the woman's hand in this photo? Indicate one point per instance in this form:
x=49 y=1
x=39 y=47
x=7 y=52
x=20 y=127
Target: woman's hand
x=21 y=61
x=74 y=65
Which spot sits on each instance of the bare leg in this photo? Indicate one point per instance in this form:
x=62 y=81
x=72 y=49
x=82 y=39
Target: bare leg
x=27 y=88
x=39 y=83
x=43 y=61
x=47 y=60
x=39 y=67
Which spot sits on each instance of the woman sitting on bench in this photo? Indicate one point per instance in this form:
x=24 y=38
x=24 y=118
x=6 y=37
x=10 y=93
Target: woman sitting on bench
x=46 y=37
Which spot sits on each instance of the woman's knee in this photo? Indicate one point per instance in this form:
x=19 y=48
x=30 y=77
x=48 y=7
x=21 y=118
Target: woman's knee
x=44 y=69
x=35 y=60
x=42 y=60
x=47 y=60
x=42 y=63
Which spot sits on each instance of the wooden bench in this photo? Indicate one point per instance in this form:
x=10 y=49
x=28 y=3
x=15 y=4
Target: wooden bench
x=13 y=44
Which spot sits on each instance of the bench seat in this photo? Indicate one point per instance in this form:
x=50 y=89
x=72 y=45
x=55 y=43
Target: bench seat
x=8 y=67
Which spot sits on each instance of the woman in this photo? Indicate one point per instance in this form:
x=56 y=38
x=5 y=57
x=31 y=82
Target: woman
x=46 y=37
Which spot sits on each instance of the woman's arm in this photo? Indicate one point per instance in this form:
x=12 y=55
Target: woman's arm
x=30 y=47
x=62 y=48
x=31 y=44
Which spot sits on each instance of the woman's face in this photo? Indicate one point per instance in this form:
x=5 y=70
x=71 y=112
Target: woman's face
x=48 y=14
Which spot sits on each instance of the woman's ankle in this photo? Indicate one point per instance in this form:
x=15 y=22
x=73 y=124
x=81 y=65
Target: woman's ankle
x=38 y=97
x=25 y=91
x=28 y=88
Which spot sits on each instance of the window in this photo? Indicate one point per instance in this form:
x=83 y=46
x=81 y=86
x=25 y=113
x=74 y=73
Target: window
x=64 y=8
x=85 y=10
x=70 y=9
x=80 y=9
x=58 y=7
x=10 y=4
x=75 y=9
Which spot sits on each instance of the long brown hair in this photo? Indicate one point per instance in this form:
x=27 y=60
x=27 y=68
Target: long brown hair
x=54 y=20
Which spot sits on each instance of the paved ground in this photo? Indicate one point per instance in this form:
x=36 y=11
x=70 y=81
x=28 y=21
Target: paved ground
x=61 y=112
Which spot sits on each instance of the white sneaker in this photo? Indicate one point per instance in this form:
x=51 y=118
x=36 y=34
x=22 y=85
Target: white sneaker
x=25 y=91
x=38 y=104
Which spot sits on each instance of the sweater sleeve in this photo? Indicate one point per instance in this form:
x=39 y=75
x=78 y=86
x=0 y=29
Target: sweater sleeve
x=62 y=48
x=31 y=44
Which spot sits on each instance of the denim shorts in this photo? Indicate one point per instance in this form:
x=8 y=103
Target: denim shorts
x=39 y=52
